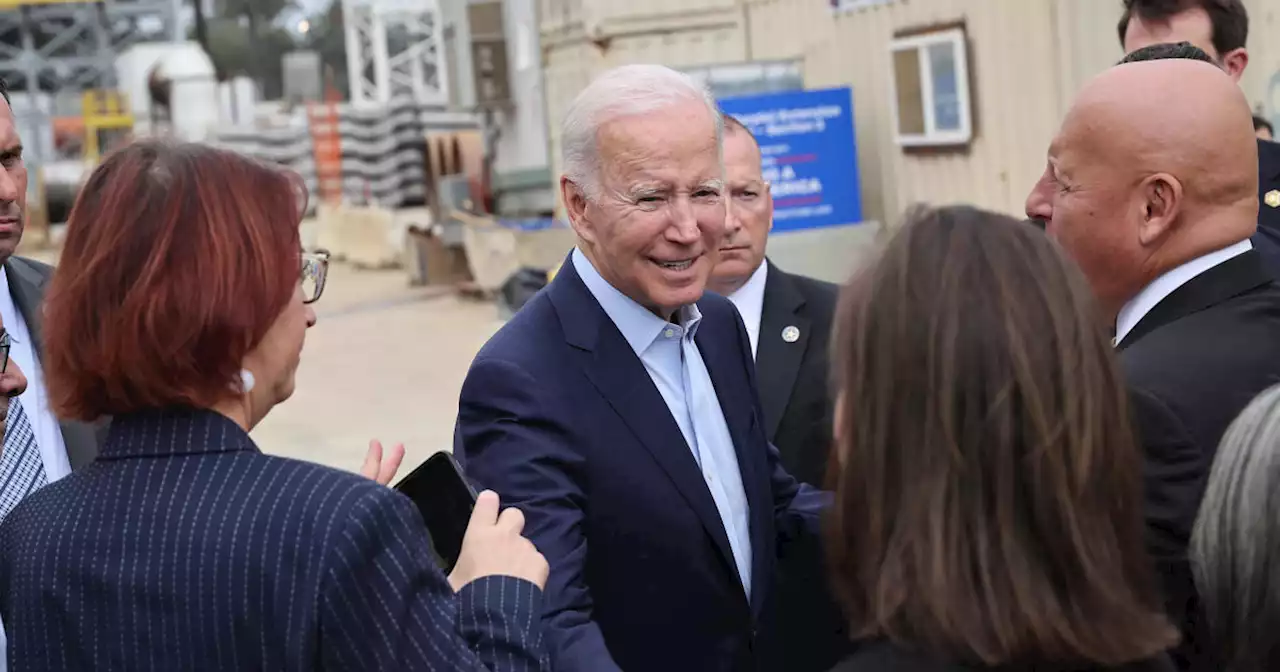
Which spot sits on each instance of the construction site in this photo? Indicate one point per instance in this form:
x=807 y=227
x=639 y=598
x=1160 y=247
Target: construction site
x=428 y=179
x=404 y=171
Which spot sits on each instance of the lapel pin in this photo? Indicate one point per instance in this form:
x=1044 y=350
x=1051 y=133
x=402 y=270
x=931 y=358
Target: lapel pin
x=792 y=334
x=1272 y=198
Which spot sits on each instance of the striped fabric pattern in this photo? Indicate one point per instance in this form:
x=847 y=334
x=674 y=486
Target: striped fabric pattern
x=21 y=470
x=183 y=547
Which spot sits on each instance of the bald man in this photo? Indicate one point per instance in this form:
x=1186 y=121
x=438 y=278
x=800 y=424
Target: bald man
x=1151 y=187
x=1215 y=31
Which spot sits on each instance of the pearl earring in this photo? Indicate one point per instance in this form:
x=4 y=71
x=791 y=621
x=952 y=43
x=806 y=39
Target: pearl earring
x=246 y=381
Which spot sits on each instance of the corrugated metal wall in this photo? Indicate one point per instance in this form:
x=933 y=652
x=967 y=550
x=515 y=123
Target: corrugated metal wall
x=1027 y=58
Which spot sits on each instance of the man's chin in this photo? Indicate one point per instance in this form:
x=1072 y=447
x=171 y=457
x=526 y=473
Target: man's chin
x=8 y=246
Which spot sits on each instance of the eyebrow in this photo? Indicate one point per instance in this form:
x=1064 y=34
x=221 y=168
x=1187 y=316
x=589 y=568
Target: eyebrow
x=644 y=190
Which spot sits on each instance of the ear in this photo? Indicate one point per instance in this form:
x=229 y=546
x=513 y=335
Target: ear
x=575 y=206
x=768 y=203
x=1161 y=205
x=1234 y=62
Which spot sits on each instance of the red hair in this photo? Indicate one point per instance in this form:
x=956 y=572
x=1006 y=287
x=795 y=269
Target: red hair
x=178 y=259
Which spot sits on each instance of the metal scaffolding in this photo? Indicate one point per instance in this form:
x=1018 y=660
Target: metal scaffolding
x=395 y=49
x=53 y=46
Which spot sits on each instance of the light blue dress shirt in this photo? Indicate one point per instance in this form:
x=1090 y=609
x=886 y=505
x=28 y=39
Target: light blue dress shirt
x=675 y=365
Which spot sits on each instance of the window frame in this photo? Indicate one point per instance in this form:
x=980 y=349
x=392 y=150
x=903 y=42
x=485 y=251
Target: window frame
x=932 y=137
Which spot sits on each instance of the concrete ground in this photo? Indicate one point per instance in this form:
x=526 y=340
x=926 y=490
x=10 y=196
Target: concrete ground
x=384 y=361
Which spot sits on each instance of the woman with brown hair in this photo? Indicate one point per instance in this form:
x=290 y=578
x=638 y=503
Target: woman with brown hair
x=987 y=482
x=179 y=308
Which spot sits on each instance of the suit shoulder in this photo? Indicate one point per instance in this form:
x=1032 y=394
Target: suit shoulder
x=812 y=288
x=1217 y=348
x=1268 y=160
x=325 y=487
x=522 y=337
x=817 y=291
x=31 y=265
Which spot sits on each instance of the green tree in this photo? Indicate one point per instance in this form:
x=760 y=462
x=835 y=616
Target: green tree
x=327 y=37
x=262 y=35
x=234 y=54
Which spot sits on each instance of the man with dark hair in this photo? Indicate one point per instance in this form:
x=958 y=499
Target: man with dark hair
x=1163 y=50
x=1219 y=27
x=1213 y=31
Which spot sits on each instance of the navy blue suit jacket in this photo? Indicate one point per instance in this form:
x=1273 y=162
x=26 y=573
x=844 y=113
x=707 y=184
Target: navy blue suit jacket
x=1267 y=238
x=559 y=416
x=182 y=547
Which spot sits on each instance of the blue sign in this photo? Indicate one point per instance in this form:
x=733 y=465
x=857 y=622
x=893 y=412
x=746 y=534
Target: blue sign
x=809 y=152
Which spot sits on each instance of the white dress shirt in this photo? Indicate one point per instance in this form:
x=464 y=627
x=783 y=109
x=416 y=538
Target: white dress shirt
x=1138 y=307
x=749 y=300
x=35 y=401
x=671 y=357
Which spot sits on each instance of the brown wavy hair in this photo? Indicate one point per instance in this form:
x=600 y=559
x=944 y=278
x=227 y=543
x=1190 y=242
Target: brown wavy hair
x=178 y=259
x=987 y=480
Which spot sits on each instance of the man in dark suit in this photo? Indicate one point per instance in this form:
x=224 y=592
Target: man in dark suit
x=50 y=449
x=788 y=321
x=618 y=409
x=1219 y=28
x=788 y=317
x=64 y=446
x=1150 y=188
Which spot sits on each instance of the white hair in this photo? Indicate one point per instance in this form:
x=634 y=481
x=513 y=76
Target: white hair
x=624 y=91
x=1235 y=545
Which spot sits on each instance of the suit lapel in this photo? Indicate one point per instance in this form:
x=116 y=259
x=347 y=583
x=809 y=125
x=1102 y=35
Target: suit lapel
x=620 y=377
x=777 y=361
x=728 y=378
x=1220 y=283
x=27 y=288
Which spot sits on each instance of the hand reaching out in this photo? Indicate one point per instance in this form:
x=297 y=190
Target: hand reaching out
x=382 y=467
x=493 y=546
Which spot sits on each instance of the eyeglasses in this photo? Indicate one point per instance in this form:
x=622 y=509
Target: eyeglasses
x=5 y=343
x=315 y=268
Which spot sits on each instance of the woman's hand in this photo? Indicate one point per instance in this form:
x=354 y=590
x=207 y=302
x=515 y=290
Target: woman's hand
x=493 y=546
x=379 y=467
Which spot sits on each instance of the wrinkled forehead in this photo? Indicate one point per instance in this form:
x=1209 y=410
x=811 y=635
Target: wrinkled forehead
x=669 y=146
x=1087 y=132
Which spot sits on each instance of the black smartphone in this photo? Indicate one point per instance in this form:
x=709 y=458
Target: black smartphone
x=445 y=499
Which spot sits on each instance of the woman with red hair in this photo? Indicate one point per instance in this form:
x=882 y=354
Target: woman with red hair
x=179 y=309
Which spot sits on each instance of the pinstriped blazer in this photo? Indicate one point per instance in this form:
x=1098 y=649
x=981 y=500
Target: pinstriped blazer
x=183 y=547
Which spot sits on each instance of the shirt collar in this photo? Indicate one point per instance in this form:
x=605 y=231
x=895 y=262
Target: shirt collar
x=638 y=325
x=1151 y=295
x=751 y=293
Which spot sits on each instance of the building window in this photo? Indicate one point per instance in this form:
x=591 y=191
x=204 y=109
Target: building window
x=931 y=89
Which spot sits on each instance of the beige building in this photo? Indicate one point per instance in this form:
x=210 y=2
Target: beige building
x=925 y=131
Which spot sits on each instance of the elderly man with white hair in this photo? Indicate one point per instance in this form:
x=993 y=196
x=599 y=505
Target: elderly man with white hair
x=618 y=409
